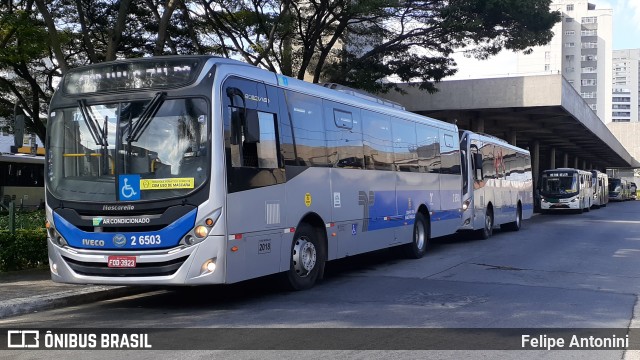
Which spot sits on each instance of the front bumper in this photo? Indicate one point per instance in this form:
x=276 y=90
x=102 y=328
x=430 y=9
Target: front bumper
x=177 y=266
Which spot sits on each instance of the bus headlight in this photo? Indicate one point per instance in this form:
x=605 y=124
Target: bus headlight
x=55 y=236
x=465 y=204
x=202 y=229
x=208 y=266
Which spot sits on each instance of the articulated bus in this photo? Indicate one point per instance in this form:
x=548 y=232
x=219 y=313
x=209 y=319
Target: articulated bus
x=600 y=187
x=203 y=170
x=566 y=189
x=497 y=184
x=618 y=190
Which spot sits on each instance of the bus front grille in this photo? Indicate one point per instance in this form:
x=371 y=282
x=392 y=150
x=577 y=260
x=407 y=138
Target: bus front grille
x=164 y=268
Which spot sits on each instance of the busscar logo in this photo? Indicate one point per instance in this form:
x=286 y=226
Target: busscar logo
x=23 y=339
x=118 y=207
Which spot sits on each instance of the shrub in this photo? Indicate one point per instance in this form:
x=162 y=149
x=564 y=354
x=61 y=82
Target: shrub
x=24 y=220
x=23 y=250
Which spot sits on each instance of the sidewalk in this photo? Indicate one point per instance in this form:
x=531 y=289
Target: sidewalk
x=23 y=292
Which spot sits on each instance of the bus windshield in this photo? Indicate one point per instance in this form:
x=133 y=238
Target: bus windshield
x=615 y=185
x=559 y=185
x=157 y=147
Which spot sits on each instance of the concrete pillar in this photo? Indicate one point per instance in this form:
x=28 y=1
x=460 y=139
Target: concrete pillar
x=478 y=124
x=566 y=160
x=575 y=163
x=584 y=164
x=552 y=163
x=512 y=138
x=535 y=162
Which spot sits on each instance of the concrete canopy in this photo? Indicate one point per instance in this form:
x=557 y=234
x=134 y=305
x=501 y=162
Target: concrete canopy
x=525 y=111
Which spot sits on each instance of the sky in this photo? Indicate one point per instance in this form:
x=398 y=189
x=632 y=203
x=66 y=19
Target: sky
x=626 y=35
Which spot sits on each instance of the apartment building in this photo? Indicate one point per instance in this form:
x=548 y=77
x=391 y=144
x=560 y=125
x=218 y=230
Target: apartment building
x=581 y=51
x=624 y=98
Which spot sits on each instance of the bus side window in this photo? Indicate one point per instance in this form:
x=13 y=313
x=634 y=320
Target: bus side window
x=310 y=146
x=344 y=136
x=267 y=147
x=377 y=140
x=428 y=148
x=404 y=145
x=476 y=162
x=258 y=140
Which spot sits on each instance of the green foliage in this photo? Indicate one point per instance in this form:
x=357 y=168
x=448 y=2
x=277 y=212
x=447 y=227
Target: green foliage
x=24 y=37
x=32 y=220
x=25 y=249
x=359 y=43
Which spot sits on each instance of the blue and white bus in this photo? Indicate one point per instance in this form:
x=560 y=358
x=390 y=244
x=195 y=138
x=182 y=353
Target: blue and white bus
x=497 y=184
x=204 y=170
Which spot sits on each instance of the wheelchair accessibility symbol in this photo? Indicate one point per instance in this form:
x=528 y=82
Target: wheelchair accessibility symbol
x=129 y=187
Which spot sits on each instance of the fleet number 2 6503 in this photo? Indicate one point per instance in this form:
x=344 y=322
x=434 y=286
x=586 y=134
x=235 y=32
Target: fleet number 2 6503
x=145 y=240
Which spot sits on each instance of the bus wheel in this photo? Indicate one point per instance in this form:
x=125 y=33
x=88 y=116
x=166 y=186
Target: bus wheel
x=486 y=232
x=418 y=247
x=307 y=258
x=514 y=226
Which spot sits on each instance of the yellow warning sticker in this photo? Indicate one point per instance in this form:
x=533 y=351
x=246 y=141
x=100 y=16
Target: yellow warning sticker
x=307 y=199
x=163 y=184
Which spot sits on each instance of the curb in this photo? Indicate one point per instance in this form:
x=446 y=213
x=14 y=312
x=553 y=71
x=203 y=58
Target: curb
x=25 y=305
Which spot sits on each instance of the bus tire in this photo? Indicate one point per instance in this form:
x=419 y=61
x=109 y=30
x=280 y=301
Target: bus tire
x=306 y=258
x=487 y=230
x=515 y=225
x=418 y=246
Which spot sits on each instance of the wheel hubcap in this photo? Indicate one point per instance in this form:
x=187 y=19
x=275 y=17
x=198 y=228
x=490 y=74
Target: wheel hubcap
x=304 y=257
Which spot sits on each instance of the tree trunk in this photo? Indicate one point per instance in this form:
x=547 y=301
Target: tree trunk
x=91 y=52
x=163 y=25
x=53 y=33
x=118 y=29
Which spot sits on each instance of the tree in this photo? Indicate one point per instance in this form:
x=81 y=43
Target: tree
x=23 y=53
x=361 y=43
x=41 y=39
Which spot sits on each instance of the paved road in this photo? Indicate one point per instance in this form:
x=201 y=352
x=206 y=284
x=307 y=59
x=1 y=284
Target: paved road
x=566 y=270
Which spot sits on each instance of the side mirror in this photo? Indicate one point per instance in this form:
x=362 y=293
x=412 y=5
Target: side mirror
x=252 y=127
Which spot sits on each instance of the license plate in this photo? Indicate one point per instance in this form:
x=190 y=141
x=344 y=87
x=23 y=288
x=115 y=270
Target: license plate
x=121 y=261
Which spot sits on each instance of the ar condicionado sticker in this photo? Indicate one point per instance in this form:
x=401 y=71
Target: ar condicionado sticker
x=164 y=184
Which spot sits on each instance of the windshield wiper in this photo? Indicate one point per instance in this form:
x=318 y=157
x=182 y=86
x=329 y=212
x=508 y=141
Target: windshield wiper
x=98 y=134
x=145 y=118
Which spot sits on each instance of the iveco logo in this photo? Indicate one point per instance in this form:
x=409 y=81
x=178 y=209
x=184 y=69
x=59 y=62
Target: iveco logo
x=119 y=240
